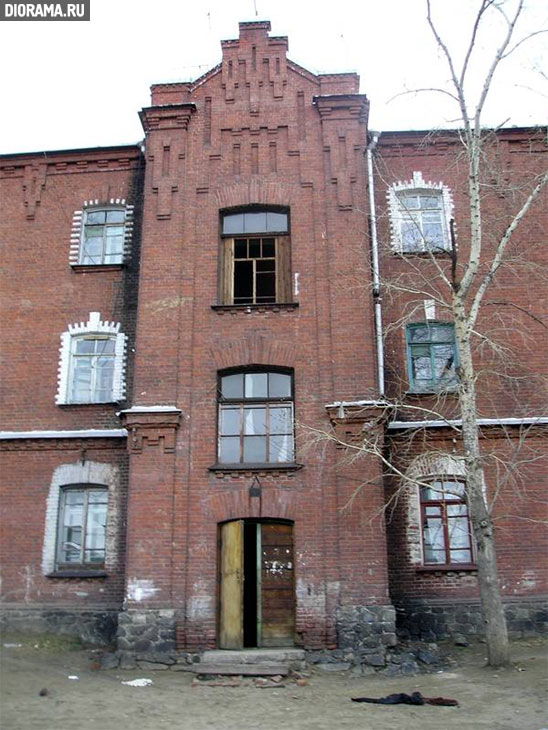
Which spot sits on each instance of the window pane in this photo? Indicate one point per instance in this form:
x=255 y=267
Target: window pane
x=422 y=369
x=255 y=222
x=105 y=347
x=229 y=450
x=96 y=527
x=461 y=556
x=256 y=385
x=269 y=247
x=419 y=334
x=454 y=490
x=254 y=421
x=434 y=549
x=116 y=216
x=233 y=223
x=232 y=386
x=99 y=496
x=442 y=333
x=94 y=232
x=280 y=420
x=444 y=360
x=281 y=448
x=279 y=385
x=411 y=235
x=114 y=244
x=276 y=222
x=409 y=202
x=243 y=282
x=458 y=532
x=84 y=347
x=430 y=201
x=265 y=287
x=240 y=248
x=254 y=449
x=254 y=249
x=96 y=216
x=230 y=421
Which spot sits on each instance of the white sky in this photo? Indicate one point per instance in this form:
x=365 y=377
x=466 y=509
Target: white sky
x=81 y=84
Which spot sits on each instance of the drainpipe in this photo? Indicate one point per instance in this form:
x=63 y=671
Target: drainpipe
x=375 y=263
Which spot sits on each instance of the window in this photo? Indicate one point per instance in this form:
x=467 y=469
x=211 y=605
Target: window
x=255 y=257
x=431 y=357
x=82 y=519
x=92 y=364
x=445 y=524
x=256 y=418
x=101 y=234
x=421 y=222
x=420 y=212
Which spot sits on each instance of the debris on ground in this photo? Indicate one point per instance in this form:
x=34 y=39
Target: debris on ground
x=142 y=682
x=415 y=698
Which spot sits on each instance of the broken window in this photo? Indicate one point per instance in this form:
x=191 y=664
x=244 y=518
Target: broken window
x=255 y=257
x=431 y=357
x=256 y=418
x=81 y=536
x=446 y=530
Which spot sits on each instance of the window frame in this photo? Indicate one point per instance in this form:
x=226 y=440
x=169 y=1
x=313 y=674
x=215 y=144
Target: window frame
x=228 y=258
x=77 y=257
x=399 y=215
x=240 y=403
x=417 y=217
x=442 y=505
x=105 y=226
x=436 y=385
x=62 y=565
x=94 y=329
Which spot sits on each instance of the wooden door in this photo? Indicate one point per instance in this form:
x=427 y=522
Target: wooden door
x=231 y=633
x=277 y=585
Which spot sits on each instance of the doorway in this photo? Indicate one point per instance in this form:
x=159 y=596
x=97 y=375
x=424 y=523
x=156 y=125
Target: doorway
x=257 y=586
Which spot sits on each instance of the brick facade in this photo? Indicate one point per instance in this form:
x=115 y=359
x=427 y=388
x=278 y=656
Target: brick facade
x=256 y=132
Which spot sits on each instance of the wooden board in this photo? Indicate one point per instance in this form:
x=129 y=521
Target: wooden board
x=231 y=632
x=277 y=585
x=254 y=670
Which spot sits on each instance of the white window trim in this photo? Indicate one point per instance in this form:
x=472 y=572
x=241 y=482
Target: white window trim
x=81 y=474
x=417 y=185
x=94 y=326
x=77 y=231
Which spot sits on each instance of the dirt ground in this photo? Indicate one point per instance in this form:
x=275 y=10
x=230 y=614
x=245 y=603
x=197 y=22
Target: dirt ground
x=77 y=695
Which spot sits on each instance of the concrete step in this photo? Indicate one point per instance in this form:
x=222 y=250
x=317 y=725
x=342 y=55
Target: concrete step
x=280 y=655
x=256 y=669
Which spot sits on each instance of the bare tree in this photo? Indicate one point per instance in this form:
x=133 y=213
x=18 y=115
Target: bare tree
x=458 y=282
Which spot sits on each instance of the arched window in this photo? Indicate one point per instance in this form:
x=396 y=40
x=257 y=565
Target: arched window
x=446 y=532
x=255 y=263
x=82 y=520
x=255 y=417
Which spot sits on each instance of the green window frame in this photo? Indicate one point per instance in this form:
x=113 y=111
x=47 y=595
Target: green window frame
x=431 y=357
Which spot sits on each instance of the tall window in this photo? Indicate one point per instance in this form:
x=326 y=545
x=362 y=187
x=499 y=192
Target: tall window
x=445 y=524
x=256 y=418
x=92 y=369
x=431 y=357
x=255 y=257
x=422 y=222
x=82 y=519
x=92 y=363
x=103 y=235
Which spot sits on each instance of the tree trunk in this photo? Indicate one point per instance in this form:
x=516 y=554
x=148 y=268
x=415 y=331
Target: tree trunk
x=491 y=603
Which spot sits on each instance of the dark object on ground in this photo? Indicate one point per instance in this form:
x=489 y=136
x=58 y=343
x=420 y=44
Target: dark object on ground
x=43 y=692
x=403 y=699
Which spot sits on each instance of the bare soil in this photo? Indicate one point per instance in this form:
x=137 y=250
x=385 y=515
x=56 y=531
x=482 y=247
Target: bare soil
x=75 y=694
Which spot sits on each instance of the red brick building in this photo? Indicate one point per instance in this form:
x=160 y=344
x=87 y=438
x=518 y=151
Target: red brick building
x=184 y=317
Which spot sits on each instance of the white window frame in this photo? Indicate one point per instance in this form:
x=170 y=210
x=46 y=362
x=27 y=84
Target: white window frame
x=399 y=216
x=76 y=255
x=93 y=327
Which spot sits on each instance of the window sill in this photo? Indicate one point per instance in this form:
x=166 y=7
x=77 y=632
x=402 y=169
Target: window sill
x=421 y=254
x=83 y=268
x=442 y=391
x=251 y=308
x=456 y=568
x=88 y=403
x=77 y=574
x=282 y=466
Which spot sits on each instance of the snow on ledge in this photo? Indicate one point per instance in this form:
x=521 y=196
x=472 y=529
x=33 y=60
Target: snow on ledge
x=398 y=425
x=150 y=409
x=85 y=434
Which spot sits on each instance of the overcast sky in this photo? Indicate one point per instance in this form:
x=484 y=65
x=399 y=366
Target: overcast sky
x=81 y=84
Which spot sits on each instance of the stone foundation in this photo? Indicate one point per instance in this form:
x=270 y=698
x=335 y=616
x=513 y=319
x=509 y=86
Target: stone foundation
x=147 y=631
x=92 y=626
x=436 y=619
x=366 y=629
